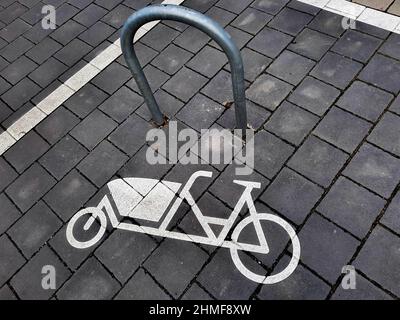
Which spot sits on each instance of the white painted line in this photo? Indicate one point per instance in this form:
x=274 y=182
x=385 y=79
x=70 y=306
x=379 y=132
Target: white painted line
x=343 y=7
x=380 y=19
x=57 y=97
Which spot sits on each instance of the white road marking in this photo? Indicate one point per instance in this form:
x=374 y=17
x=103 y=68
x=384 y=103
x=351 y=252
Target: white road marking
x=32 y=118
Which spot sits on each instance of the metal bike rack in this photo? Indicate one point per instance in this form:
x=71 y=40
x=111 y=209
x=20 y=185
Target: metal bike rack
x=195 y=19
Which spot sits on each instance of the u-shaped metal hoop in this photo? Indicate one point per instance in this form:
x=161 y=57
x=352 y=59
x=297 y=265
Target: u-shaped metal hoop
x=195 y=19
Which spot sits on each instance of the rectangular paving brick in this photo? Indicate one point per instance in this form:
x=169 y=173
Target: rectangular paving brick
x=390 y=218
x=171 y=59
x=18 y=69
x=386 y=133
x=290 y=21
x=7 y=174
x=270 y=42
x=43 y=50
x=10 y=259
x=115 y=71
x=8 y=213
x=48 y=72
x=251 y=20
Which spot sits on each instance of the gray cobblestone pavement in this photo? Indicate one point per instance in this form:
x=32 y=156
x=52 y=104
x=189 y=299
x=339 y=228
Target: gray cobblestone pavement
x=327 y=150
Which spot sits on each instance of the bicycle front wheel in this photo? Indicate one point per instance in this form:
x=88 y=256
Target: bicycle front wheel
x=271 y=279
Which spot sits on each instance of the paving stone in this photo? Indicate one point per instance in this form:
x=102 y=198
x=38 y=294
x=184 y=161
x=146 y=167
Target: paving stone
x=171 y=59
x=43 y=50
x=329 y=23
x=290 y=21
x=6 y=294
x=192 y=39
x=251 y=20
x=28 y=281
x=270 y=42
x=318 y=161
x=93 y=129
x=319 y=239
x=8 y=213
x=73 y=52
x=351 y=206
x=200 y=112
x=184 y=84
x=69 y=195
x=391 y=46
x=155 y=77
x=195 y=292
x=378 y=258
x=10 y=259
x=208 y=61
x=357 y=45
x=56 y=125
x=365 y=290
x=67 y=32
x=64 y=13
x=395 y=107
x=374 y=169
x=101 y=164
x=233 y=6
x=63 y=156
x=115 y=71
x=169 y=105
x=14 y=30
x=142 y=287
x=291 y=123
x=290 y=67
x=268 y=91
x=16 y=48
x=292 y=195
x=301 y=285
x=85 y=100
x=221 y=278
x=4 y=86
x=37 y=33
x=269 y=6
x=159 y=37
x=97 y=33
x=30 y=187
x=312 y=44
x=123 y=252
x=256 y=116
x=7 y=174
x=391 y=216
x=336 y=70
x=5 y=111
x=372 y=30
x=222 y=17
x=202 y=5
x=18 y=69
x=144 y=54
x=365 y=100
x=254 y=64
x=26 y=151
x=12 y=12
x=342 y=129
x=239 y=37
x=175 y=263
x=386 y=133
x=220 y=87
x=117 y=16
x=90 y=282
x=382 y=72
x=304 y=7
x=90 y=15
x=48 y=72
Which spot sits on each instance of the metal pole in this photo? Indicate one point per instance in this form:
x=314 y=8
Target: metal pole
x=197 y=20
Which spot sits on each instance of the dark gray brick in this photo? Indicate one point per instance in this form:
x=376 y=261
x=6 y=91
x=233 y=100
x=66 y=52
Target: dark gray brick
x=43 y=50
x=220 y=16
x=26 y=151
x=171 y=59
x=101 y=164
x=155 y=77
x=351 y=206
x=301 y=285
x=254 y=64
x=4 y=111
x=290 y=21
x=382 y=72
x=85 y=100
x=391 y=216
x=239 y=37
x=142 y=287
x=18 y=69
x=117 y=17
x=270 y=6
x=14 y=30
x=292 y=195
x=365 y=48
x=90 y=15
x=159 y=37
x=144 y=54
x=379 y=257
x=90 y=282
x=319 y=238
x=123 y=252
x=208 y=61
x=37 y=33
x=336 y=70
x=7 y=174
x=374 y=169
x=251 y=20
x=30 y=187
x=365 y=100
x=185 y=84
x=16 y=48
x=63 y=156
x=8 y=213
x=199 y=5
x=329 y=23
x=270 y=42
x=48 y=72
x=67 y=32
x=69 y=195
x=386 y=133
x=290 y=67
x=175 y=263
x=312 y=44
x=342 y=129
x=4 y=86
x=318 y=161
x=64 y=13
x=34 y=229
x=391 y=47
x=234 y=6
x=115 y=71
x=304 y=7
x=73 y=52
x=97 y=33
x=220 y=87
x=10 y=259
x=7 y=294
x=268 y=91
x=291 y=123
x=395 y=107
x=195 y=292
x=192 y=39
x=12 y=12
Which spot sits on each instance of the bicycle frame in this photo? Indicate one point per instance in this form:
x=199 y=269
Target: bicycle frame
x=205 y=221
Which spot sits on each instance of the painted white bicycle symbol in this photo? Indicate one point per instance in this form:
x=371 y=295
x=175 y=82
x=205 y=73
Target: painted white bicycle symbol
x=149 y=199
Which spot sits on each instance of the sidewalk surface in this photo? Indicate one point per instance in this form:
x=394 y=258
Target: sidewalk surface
x=322 y=100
